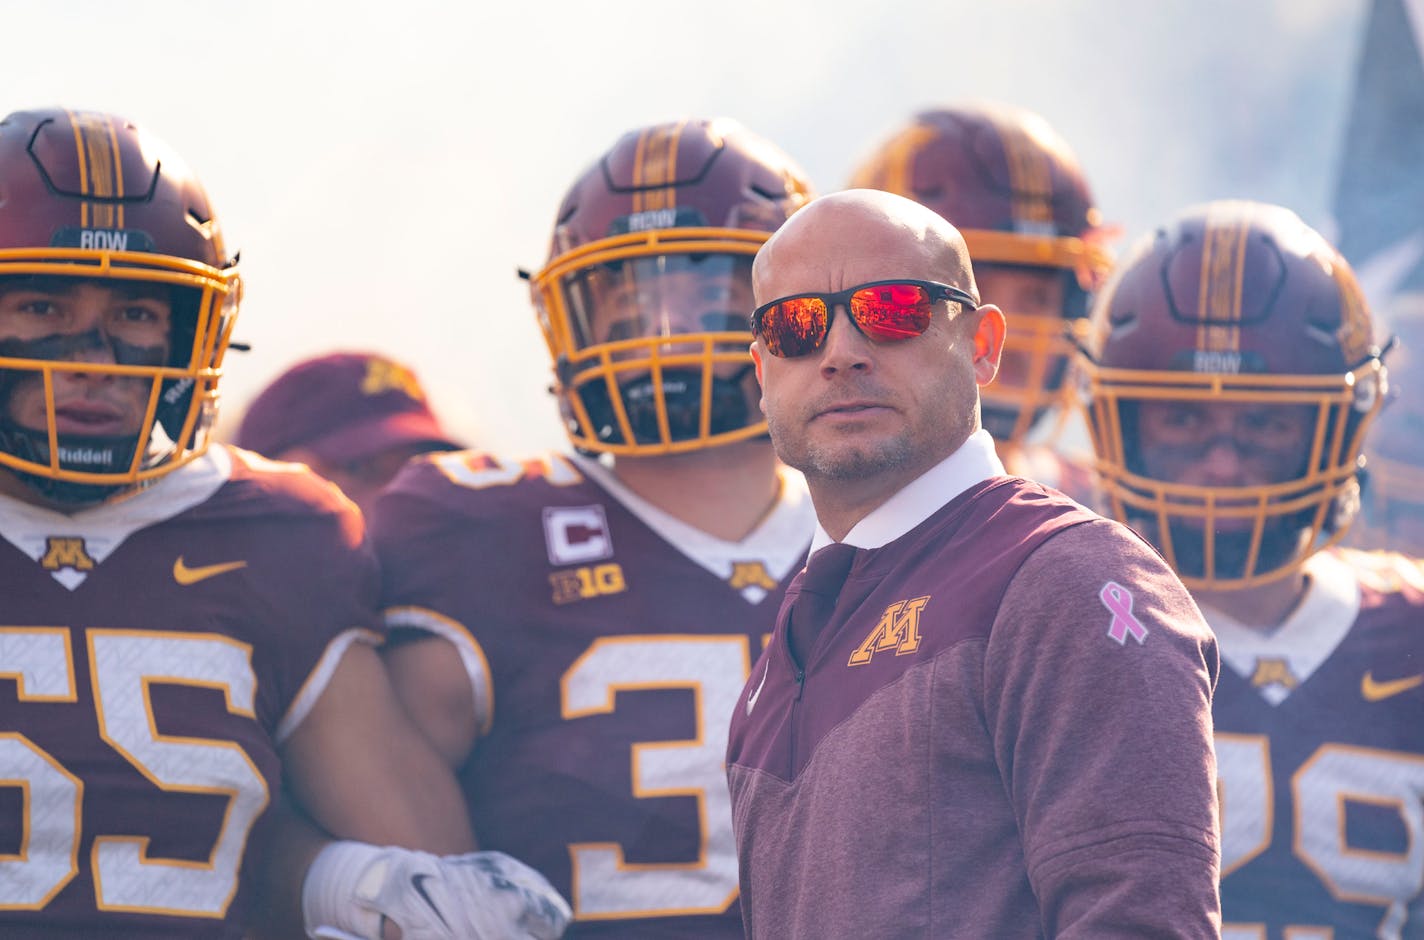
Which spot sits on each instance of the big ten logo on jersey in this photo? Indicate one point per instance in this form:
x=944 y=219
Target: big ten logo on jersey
x=898 y=630
x=590 y=581
x=578 y=535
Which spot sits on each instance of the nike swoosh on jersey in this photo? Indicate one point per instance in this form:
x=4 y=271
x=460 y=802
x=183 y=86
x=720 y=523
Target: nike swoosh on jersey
x=418 y=883
x=752 y=699
x=185 y=575
x=1375 y=691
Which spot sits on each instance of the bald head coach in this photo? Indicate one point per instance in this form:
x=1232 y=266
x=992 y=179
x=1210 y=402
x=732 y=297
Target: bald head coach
x=985 y=710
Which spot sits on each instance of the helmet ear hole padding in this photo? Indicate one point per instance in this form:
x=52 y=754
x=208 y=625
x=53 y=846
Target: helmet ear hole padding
x=1235 y=304
x=645 y=298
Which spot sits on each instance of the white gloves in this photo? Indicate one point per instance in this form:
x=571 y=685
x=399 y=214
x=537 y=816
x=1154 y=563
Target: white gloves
x=352 y=886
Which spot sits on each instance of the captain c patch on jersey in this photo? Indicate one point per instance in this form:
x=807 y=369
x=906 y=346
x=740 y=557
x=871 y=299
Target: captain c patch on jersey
x=576 y=535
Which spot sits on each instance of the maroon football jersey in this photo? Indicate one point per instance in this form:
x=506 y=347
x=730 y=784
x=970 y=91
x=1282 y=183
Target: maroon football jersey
x=154 y=651
x=1320 y=749
x=607 y=645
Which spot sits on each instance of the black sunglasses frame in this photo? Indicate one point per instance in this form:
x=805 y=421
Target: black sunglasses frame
x=936 y=290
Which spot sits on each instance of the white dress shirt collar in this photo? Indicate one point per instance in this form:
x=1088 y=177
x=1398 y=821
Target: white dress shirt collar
x=974 y=462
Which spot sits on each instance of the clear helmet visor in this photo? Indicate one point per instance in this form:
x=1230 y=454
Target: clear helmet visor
x=650 y=339
x=660 y=298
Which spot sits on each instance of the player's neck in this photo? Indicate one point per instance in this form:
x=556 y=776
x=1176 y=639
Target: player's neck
x=1262 y=608
x=724 y=491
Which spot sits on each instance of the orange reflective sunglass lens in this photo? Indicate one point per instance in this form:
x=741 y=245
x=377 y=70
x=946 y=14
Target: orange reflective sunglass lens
x=795 y=327
x=892 y=311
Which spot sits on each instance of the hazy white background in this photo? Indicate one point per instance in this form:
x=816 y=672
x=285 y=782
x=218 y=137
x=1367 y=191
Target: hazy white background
x=384 y=167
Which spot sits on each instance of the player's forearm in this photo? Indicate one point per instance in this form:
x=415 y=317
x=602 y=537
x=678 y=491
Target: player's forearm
x=364 y=772
x=425 y=808
x=294 y=841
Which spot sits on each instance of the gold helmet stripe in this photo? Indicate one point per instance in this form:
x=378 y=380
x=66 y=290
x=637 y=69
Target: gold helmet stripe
x=1030 y=176
x=655 y=167
x=892 y=170
x=1223 y=270
x=638 y=151
x=97 y=147
x=79 y=151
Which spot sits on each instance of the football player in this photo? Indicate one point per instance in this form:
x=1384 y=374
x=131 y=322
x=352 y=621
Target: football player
x=589 y=619
x=1232 y=378
x=1016 y=192
x=186 y=626
x=353 y=417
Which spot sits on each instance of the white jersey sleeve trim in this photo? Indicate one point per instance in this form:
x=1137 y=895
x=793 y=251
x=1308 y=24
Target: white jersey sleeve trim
x=319 y=678
x=472 y=655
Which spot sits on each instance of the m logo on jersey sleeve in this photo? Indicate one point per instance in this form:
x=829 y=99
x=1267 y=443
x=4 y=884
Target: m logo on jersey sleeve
x=898 y=630
x=576 y=535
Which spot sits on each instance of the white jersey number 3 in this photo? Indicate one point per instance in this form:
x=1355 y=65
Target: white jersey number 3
x=715 y=669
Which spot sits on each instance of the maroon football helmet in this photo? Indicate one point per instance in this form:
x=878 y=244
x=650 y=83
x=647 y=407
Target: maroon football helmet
x=1014 y=189
x=88 y=198
x=1238 y=304
x=645 y=299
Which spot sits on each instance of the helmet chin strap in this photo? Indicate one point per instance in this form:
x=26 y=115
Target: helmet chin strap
x=681 y=391
x=82 y=453
x=77 y=452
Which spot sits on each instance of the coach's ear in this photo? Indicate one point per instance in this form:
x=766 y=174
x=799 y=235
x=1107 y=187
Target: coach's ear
x=757 y=362
x=988 y=342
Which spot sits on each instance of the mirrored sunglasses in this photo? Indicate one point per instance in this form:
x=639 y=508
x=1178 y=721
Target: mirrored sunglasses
x=885 y=311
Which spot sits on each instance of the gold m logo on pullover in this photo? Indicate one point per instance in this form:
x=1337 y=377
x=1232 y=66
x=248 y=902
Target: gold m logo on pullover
x=898 y=629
